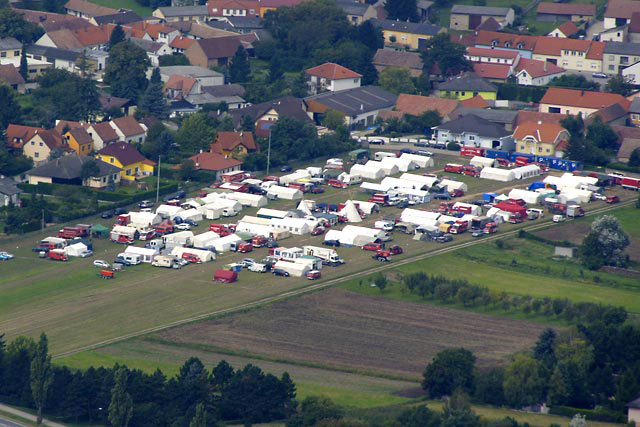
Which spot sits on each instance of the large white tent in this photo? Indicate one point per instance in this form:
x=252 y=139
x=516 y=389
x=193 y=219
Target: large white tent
x=367 y=172
x=75 y=250
x=179 y=238
x=350 y=212
x=404 y=165
x=297 y=226
x=254 y=228
x=286 y=193
x=389 y=169
x=246 y=199
x=168 y=211
x=223 y=244
x=569 y=180
x=422 y=161
x=354 y=235
x=205 y=239
x=373 y=187
x=205 y=256
x=453 y=185
x=367 y=207
x=473 y=209
x=531 y=197
x=496 y=174
x=193 y=214
x=272 y=213
x=295 y=176
x=144 y=219
x=427 y=181
x=419 y=217
x=526 y=171
x=391 y=182
x=583 y=196
x=483 y=162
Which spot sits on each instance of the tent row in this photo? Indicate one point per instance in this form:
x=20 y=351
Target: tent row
x=352 y=235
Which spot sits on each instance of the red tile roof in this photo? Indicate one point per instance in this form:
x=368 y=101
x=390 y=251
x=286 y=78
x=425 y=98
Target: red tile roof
x=180 y=83
x=11 y=75
x=567 y=9
x=475 y=102
x=62 y=124
x=579 y=98
x=125 y=153
x=621 y=8
x=17 y=135
x=542 y=132
x=128 y=126
x=91 y=36
x=139 y=29
x=181 y=42
x=416 y=104
x=213 y=161
x=106 y=133
x=491 y=71
x=534 y=116
x=537 y=68
x=81 y=136
x=555 y=45
x=492 y=53
x=568 y=28
x=332 y=71
x=89 y=8
x=51 y=138
x=512 y=41
x=230 y=140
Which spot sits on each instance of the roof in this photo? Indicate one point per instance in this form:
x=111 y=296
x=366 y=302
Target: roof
x=332 y=71
x=53 y=21
x=622 y=48
x=220 y=47
x=462 y=9
x=465 y=39
x=70 y=167
x=352 y=101
x=489 y=24
x=7 y=43
x=213 y=161
x=406 y=27
x=8 y=187
x=568 y=28
x=506 y=40
x=51 y=138
x=473 y=124
x=124 y=152
x=105 y=132
x=184 y=11
x=504 y=117
x=80 y=135
x=123 y=17
x=61 y=125
x=468 y=81
x=611 y=112
x=53 y=52
x=88 y=8
x=180 y=83
x=492 y=53
x=189 y=71
x=416 y=105
x=621 y=8
x=492 y=71
x=567 y=9
x=230 y=140
x=542 y=132
x=523 y=116
x=286 y=106
x=147 y=45
x=181 y=42
x=19 y=132
x=634 y=25
x=128 y=126
x=537 y=68
x=93 y=35
x=139 y=29
x=398 y=58
x=475 y=102
x=353 y=7
x=629 y=138
x=579 y=98
x=110 y=101
x=225 y=90
x=11 y=75
x=555 y=45
x=635 y=106
x=64 y=39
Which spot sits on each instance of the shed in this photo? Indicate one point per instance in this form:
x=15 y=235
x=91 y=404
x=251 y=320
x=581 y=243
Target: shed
x=212 y=211
x=531 y=197
x=99 y=231
x=422 y=161
x=526 y=171
x=205 y=239
x=453 y=185
x=297 y=226
x=565 y=252
x=246 y=199
x=389 y=169
x=146 y=254
x=483 y=162
x=367 y=172
x=205 y=256
x=75 y=250
x=223 y=244
x=403 y=165
x=285 y=192
x=496 y=174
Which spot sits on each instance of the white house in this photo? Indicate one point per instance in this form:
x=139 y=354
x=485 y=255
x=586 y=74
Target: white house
x=531 y=72
x=129 y=130
x=332 y=77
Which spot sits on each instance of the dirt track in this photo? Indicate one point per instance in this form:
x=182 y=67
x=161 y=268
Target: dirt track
x=348 y=330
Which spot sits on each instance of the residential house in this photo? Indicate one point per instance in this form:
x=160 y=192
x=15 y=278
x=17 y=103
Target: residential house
x=154 y=32
x=223 y=8
x=127 y=159
x=415 y=105
x=406 y=34
x=122 y=17
x=620 y=55
x=634 y=411
x=570 y=54
x=541 y=139
x=633 y=29
x=524 y=45
x=91 y=38
x=102 y=134
x=18 y=135
x=473 y=131
x=180 y=87
x=199 y=30
x=215 y=162
x=109 y=102
x=570 y=101
x=331 y=77
x=53 y=21
x=266 y=114
x=40 y=146
x=617 y=34
x=87 y=10
x=629 y=139
x=9 y=192
x=565 y=30
x=204 y=76
x=35 y=68
x=468 y=17
x=634 y=112
x=240 y=24
x=11 y=76
x=209 y=53
x=10 y=48
x=467 y=86
x=68 y=170
x=524 y=116
x=492 y=56
x=531 y=72
x=79 y=140
x=154 y=50
x=234 y=144
x=497 y=73
x=182 y=13
x=359 y=106
x=357 y=12
x=62 y=59
x=129 y=130
x=619 y=12
x=475 y=102
x=63 y=126
x=504 y=118
x=554 y=12
x=411 y=61
x=231 y=94
x=614 y=114
x=180 y=44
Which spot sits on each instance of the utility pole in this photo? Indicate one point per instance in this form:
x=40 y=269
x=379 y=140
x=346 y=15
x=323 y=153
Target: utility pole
x=269 y=152
x=42 y=219
x=158 y=182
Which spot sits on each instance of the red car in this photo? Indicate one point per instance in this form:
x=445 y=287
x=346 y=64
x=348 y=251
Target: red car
x=316 y=190
x=372 y=247
x=395 y=250
x=456 y=193
x=470 y=171
x=313 y=275
x=612 y=199
x=317 y=231
x=336 y=184
x=194 y=259
x=514 y=219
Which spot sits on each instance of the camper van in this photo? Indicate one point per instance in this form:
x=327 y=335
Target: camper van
x=128 y=259
x=166 y=261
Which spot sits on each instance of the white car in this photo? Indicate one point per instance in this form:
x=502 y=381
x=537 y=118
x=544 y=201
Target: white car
x=86 y=254
x=100 y=263
x=559 y=218
x=5 y=256
x=598 y=196
x=183 y=227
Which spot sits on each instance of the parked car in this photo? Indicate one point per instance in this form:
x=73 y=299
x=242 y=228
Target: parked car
x=316 y=189
x=599 y=75
x=337 y=184
x=313 y=275
x=317 y=231
x=100 y=263
x=376 y=142
x=280 y=272
x=456 y=193
x=408 y=151
x=612 y=199
x=106 y=215
x=246 y=262
x=145 y=204
x=271 y=243
x=444 y=238
x=598 y=196
x=421 y=144
x=86 y=254
x=402 y=204
x=182 y=227
x=286 y=168
x=372 y=247
x=442 y=196
x=396 y=250
x=425 y=153
x=5 y=256
x=334 y=243
x=477 y=233
x=119 y=211
x=191 y=222
x=559 y=218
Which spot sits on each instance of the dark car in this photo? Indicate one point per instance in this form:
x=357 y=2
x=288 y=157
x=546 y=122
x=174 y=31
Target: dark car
x=403 y=204
x=120 y=211
x=181 y=194
x=254 y=189
x=316 y=189
x=280 y=272
x=106 y=215
x=376 y=142
x=286 y=168
x=407 y=151
x=334 y=243
x=445 y=238
x=191 y=222
x=442 y=196
x=271 y=243
x=421 y=144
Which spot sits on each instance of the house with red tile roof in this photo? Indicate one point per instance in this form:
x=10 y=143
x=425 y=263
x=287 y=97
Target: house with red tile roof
x=619 y=12
x=570 y=101
x=331 y=77
x=553 y=12
x=234 y=143
x=212 y=52
x=570 y=54
x=180 y=87
x=153 y=32
x=524 y=45
x=40 y=146
x=18 y=135
x=215 y=162
x=564 y=31
x=541 y=139
x=493 y=72
x=492 y=56
x=180 y=44
x=531 y=72
x=87 y=10
x=92 y=37
x=10 y=75
x=102 y=135
x=129 y=130
x=416 y=105
x=475 y=102
x=222 y=8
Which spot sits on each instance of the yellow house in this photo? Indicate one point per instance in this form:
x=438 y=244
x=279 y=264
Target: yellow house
x=406 y=34
x=234 y=144
x=79 y=141
x=541 y=139
x=468 y=85
x=124 y=156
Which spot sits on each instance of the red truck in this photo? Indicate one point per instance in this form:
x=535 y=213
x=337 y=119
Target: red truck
x=372 y=247
x=58 y=255
x=395 y=250
x=470 y=171
x=630 y=183
x=164 y=228
x=490 y=228
x=336 y=183
x=298 y=186
x=242 y=247
x=71 y=233
x=471 y=152
x=222 y=229
x=258 y=241
x=522 y=161
x=453 y=168
x=459 y=227
x=380 y=199
x=123 y=219
x=194 y=259
x=445 y=207
x=382 y=255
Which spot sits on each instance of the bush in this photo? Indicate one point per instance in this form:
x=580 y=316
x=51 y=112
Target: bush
x=623 y=167
x=591 y=414
x=453 y=146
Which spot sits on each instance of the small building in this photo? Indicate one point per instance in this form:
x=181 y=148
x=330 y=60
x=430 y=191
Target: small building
x=619 y=55
x=468 y=17
x=467 y=86
x=12 y=77
x=619 y=12
x=62 y=59
x=565 y=30
x=204 y=76
x=268 y=113
x=10 y=48
x=41 y=144
x=531 y=72
x=524 y=45
x=129 y=130
x=234 y=144
x=618 y=34
x=474 y=131
x=216 y=163
x=213 y=52
x=566 y=252
x=571 y=54
x=356 y=11
x=629 y=138
x=496 y=73
x=554 y=12
x=147 y=255
x=492 y=56
x=385 y=58
x=570 y=101
x=634 y=411
x=128 y=159
x=180 y=44
x=121 y=17
x=153 y=49
x=541 y=139
x=68 y=170
x=9 y=192
x=79 y=140
x=182 y=13
x=224 y=8
x=331 y=77
x=406 y=34
x=102 y=134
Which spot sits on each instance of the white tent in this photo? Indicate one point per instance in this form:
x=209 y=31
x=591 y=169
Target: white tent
x=367 y=172
x=527 y=171
x=314 y=171
x=453 y=185
x=531 y=197
x=205 y=256
x=295 y=176
x=496 y=174
x=474 y=209
x=272 y=213
x=416 y=216
x=75 y=250
x=373 y=187
x=360 y=236
x=253 y=228
x=404 y=165
x=389 y=169
x=350 y=212
x=144 y=219
x=255 y=220
x=211 y=211
x=304 y=206
x=391 y=182
x=498 y=215
x=246 y=199
x=483 y=162
x=205 y=239
x=429 y=181
x=297 y=226
x=168 y=211
x=419 y=196
x=583 y=196
x=179 y=238
x=193 y=214
x=294 y=269
x=223 y=244
x=146 y=254
x=422 y=161
x=367 y=207
x=568 y=180
x=286 y=193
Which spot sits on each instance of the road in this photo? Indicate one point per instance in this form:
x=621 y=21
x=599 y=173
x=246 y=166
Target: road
x=27 y=416
x=7 y=423
x=322 y=285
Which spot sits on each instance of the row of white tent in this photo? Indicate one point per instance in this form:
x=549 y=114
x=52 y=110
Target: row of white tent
x=430 y=220
x=412 y=185
x=506 y=175
x=353 y=235
x=386 y=166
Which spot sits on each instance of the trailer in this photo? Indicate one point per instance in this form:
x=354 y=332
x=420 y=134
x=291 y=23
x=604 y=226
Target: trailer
x=120 y=230
x=147 y=255
x=225 y=276
x=166 y=261
x=349 y=179
x=327 y=255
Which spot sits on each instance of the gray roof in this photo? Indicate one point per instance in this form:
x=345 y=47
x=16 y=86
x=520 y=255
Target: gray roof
x=622 y=48
x=398 y=58
x=496 y=116
x=69 y=167
x=185 y=11
x=352 y=7
x=8 y=187
x=9 y=43
x=635 y=106
x=221 y=25
x=286 y=106
x=635 y=403
x=424 y=4
x=406 y=27
x=246 y=22
x=468 y=81
x=192 y=71
x=147 y=45
x=225 y=90
x=479 y=10
x=122 y=18
x=53 y=52
x=474 y=124
x=356 y=101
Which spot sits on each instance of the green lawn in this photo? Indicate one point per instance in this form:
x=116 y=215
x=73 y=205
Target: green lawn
x=125 y=4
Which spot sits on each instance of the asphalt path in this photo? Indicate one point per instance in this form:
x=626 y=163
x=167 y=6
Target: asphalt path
x=7 y=423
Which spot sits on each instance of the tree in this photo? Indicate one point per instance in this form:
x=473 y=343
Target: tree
x=10 y=111
x=449 y=56
x=620 y=85
x=381 y=281
x=489 y=386
x=276 y=67
x=187 y=169
x=602 y=135
x=117 y=36
x=195 y=134
x=200 y=419
x=121 y=406
x=13 y=24
x=332 y=119
x=419 y=416
x=175 y=59
x=152 y=100
x=24 y=66
x=63 y=95
x=403 y=10
x=54 y=6
x=155 y=76
x=523 y=384
x=239 y=70
x=299 y=86
x=605 y=244
x=397 y=80
x=458 y=413
x=314 y=409
x=544 y=350
x=41 y=375
x=451 y=369
x=126 y=70
x=634 y=158
x=89 y=169
x=247 y=124
x=574 y=81
x=370 y=36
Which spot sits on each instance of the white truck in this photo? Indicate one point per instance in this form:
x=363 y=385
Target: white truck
x=258 y=268
x=327 y=255
x=169 y=261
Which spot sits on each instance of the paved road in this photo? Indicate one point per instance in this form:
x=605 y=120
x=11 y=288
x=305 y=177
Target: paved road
x=7 y=423
x=22 y=414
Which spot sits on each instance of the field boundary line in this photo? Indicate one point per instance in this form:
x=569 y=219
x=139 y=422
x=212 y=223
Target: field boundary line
x=320 y=286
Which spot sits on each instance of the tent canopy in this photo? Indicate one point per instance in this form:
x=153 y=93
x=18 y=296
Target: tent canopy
x=100 y=231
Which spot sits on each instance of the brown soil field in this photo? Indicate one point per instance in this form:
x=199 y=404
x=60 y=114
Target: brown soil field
x=346 y=330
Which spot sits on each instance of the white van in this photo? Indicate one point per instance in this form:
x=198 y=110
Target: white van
x=534 y=211
x=383 y=225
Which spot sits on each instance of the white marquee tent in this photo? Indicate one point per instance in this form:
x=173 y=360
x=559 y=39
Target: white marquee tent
x=496 y=174
x=367 y=172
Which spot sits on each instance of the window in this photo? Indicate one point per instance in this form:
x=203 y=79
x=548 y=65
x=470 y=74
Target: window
x=472 y=137
x=355 y=80
x=33 y=143
x=3 y=54
x=140 y=139
x=612 y=67
x=573 y=53
x=565 y=63
x=128 y=171
x=475 y=93
x=624 y=59
x=612 y=58
x=634 y=116
x=522 y=147
x=41 y=144
x=403 y=37
x=104 y=180
x=593 y=65
x=579 y=64
x=539 y=149
x=548 y=150
x=16 y=53
x=33 y=71
x=36 y=154
x=554 y=110
x=111 y=160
